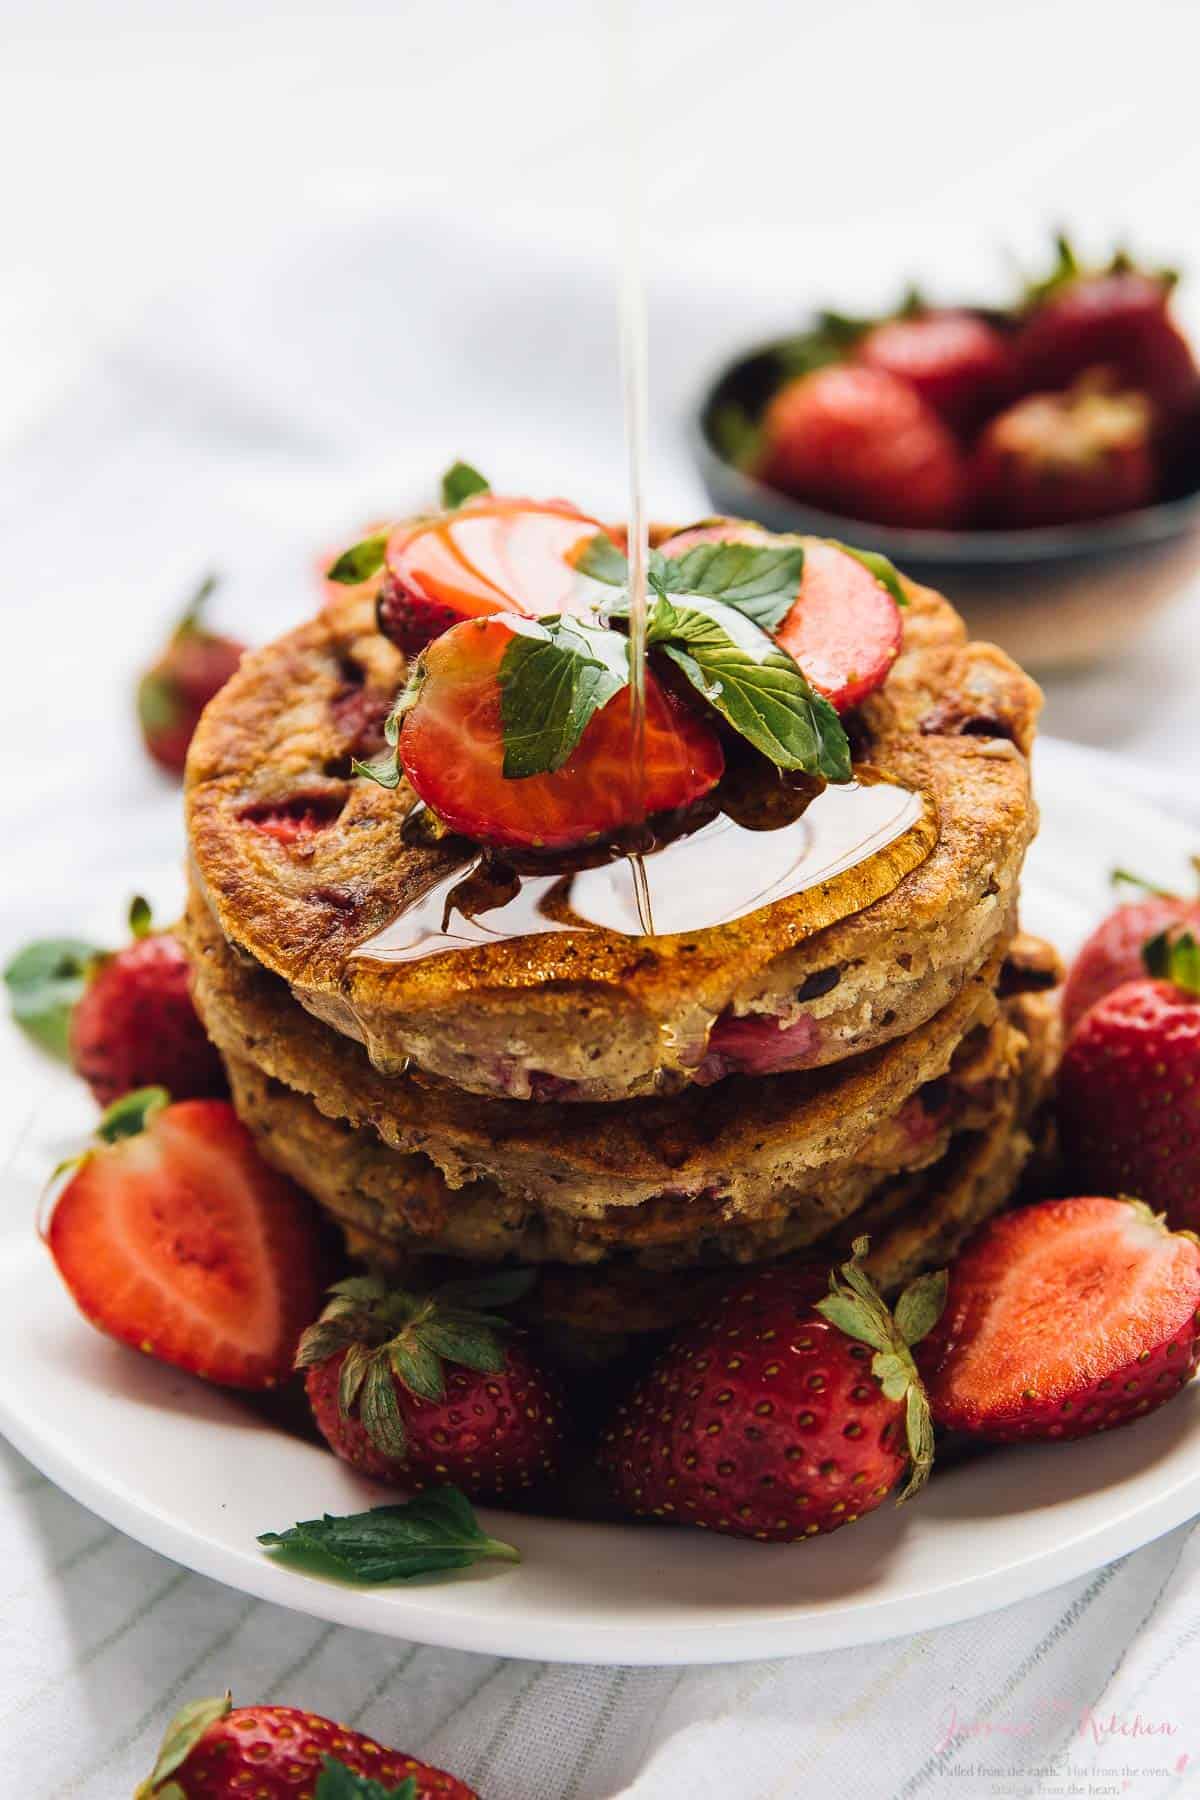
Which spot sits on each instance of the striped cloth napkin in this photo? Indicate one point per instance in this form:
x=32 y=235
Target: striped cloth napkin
x=244 y=426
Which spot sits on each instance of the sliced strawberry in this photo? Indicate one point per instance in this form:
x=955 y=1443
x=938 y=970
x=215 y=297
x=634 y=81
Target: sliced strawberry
x=959 y=364
x=452 y=749
x=844 y=629
x=176 y=1238
x=487 y=556
x=1064 y=1319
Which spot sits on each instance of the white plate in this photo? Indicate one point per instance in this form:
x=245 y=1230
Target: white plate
x=195 y=1475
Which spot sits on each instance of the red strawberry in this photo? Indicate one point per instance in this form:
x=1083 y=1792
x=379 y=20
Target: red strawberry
x=486 y=556
x=135 y=1026
x=1056 y=458
x=176 y=1238
x=214 y=1750
x=1117 y=319
x=452 y=747
x=174 y=692
x=1113 y=953
x=1064 y=1319
x=384 y=1400
x=1129 y=1086
x=860 y=442
x=959 y=364
x=844 y=628
x=782 y=1413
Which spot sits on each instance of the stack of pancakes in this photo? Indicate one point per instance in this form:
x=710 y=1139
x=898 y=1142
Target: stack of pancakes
x=883 y=1039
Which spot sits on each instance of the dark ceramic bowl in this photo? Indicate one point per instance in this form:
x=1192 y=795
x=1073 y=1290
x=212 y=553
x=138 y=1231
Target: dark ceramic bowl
x=1054 y=598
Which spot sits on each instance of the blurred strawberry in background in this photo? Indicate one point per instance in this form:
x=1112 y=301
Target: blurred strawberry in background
x=174 y=691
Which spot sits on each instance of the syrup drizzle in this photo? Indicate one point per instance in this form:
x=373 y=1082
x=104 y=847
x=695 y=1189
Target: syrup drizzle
x=721 y=872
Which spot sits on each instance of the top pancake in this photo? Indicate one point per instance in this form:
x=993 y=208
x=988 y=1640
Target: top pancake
x=597 y=1015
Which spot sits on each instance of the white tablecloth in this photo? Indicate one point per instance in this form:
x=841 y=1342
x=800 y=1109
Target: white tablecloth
x=249 y=423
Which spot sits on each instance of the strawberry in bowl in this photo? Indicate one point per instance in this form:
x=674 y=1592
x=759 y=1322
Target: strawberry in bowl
x=956 y=440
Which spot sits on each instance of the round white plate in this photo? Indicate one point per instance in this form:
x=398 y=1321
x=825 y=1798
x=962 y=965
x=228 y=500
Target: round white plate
x=196 y=1475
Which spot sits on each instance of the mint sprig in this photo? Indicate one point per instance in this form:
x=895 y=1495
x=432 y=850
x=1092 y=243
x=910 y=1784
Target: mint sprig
x=856 y=1307
x=434 y=1531
x=760 y=580
x=555 y=676
x=753 y=683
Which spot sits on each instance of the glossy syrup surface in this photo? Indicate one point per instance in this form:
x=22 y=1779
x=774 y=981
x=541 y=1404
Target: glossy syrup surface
x=717 y=873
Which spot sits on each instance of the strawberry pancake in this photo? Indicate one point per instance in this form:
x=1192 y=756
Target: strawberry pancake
x=886 y=889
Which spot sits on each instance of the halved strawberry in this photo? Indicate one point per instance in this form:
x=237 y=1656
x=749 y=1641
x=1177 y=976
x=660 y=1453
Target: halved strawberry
x=486 y=556
x=844 y=628
x=452 y=749
x=176 y=1238
x=1064 y=1319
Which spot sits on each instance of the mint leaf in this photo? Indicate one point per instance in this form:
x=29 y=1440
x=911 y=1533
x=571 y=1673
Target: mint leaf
x=554 y=676
x=460 y=482
x=879 y=566
x=760 y=580
x=361 y=561
x=44 y=981
x=337 y=1782
x=752 y=683
x=602 y=560
x=434 y=1531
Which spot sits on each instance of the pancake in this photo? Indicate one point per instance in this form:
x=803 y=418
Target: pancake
x=752 y=1148
x=854 y=961
x=915 y=1223
x=399 y=1194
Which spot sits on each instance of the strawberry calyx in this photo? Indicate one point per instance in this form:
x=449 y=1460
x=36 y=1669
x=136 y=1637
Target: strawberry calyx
x=1175 y=958
x=392 y=1335
x=337 y=1782
x=855 y=1306
x=1067 y=268
x=180 y=1739
x=1127 y=878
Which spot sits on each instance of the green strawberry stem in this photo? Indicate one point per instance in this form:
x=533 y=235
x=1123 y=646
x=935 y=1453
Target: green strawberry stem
x=1175 y=959
x=855 y=1306
x=390 y=1335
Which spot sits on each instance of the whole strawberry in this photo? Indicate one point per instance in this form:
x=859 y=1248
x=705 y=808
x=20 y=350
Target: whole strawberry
x=1129 y=1086
x=1113 y=953
x=1115 y=318
x=135 y=1026
x=1065 y=1319
x=124 y=1019
x=214 y=1750
x=381 y=1392
x=859 y=441
x=173 y=693
x=958 y=362
x=792 y=1409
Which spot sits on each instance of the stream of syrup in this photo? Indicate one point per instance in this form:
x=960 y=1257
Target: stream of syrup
x=634 y=341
